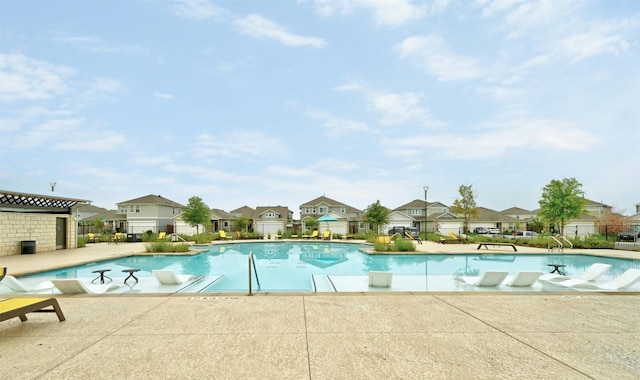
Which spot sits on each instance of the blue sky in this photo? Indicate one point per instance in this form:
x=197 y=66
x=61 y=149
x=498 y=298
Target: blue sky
x=263 y=103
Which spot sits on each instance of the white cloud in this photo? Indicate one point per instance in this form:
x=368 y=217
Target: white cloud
x=258 y=26
x=396 y=108
x=247 y=144
x=198 y=9
x=598 y=39
x=163 y=95
x=393 y=13
x=431 y=53
x=335 y=126
x=24 y=78
x=98 y=45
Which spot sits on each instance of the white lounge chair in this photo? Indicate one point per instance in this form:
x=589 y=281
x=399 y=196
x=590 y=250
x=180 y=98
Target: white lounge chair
x=524 y=279
x=18 y=286
x=380 y=279
x=169 y=277
x=625 y=280
x=487 y=279
x=73 y=286
x=594 y=271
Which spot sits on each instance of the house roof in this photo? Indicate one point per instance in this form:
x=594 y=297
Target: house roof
x=153 y=199
x=106 y=214
x=217 y=213
x=283 y=211
x=489 y=215
x=414 y=204
x=516 y=210
x=331 y=203
x=245 y=211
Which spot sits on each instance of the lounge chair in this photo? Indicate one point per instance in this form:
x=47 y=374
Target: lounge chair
x=92 y=237
x=169 y=277
x=19 y=307
x=487 y=279
x=162 y=235
x=380 y=279
x=3 y=272
x=625 y=280
x=224 y=236
x=73 y=286
x=524 y=279
x=17 y=285
x=594 y=271
x=326 y=235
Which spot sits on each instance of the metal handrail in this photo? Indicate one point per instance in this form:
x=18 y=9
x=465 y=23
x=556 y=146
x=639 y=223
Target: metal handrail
x=567 y=240
x=255 y=271
x=560 y=245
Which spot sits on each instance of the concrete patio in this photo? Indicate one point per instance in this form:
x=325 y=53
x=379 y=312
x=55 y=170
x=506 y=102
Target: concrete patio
x=313 y=336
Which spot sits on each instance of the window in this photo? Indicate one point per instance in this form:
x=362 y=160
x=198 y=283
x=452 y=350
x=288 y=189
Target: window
x=343 y=210
x=323 y=209
x=269 y=215
x=134 y=208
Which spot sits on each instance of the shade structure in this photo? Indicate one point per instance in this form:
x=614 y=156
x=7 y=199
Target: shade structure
x=327 y=218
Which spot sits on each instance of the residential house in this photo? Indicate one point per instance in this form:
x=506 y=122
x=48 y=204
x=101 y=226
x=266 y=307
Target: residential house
x=271 y=220
x=427 y=216
x=523 y=218
x=150 y=213
x=350 y=218
x=596 y=209
x=110 y=221
x=221 y=220
x=489 y=218
x=246 y=212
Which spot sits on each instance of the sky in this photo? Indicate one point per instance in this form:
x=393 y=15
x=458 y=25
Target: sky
x=267 y=103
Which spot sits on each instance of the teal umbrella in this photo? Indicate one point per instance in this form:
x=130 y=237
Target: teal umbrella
x=327 y=218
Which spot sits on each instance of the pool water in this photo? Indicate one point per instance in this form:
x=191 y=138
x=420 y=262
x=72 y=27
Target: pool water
x=289 y=266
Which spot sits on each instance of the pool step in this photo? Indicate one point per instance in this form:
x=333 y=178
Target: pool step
x=322 y=283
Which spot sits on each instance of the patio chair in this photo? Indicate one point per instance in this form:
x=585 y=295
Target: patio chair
x=487 y=279
x=326 y=235
x=18 y=286
x=169 y=277
x=224 y=236
x=74 y=286
x=594 y=271
x=380 y=279
x=92 y=237
x=19 y=307
x=625 y=280
x=162 y=235
x=524 y=279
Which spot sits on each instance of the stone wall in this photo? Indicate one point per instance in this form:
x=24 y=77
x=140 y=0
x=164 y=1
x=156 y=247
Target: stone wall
x=16 y=227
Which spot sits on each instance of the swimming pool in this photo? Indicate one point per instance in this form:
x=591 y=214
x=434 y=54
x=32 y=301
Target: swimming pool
x=295 y=267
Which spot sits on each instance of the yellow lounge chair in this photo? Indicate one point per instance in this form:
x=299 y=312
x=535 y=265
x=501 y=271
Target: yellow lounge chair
x=223 y=235
x=3 y=272
x=19 y=307
x=162 y=235
x=92 y=237
x=326 y=235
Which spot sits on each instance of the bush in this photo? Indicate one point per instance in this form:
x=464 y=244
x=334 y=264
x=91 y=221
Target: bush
x=381 y=247
x=163 y=246
x=403 y=245
x=82 y=241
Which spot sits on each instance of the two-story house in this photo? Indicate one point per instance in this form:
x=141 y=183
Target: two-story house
x=349 y=219
x=425 y=216
x=149 y=213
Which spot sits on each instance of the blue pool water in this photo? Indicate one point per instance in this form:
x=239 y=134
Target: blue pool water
x=288 y=266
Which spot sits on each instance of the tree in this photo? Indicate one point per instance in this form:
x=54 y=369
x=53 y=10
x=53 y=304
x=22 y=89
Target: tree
x=241 y=223
x=196 y=213
x=466 y=205
x=612 y=222
x=561 y=201
x=377 y=215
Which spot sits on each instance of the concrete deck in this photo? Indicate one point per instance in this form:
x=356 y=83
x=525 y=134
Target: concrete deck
x=311 y=336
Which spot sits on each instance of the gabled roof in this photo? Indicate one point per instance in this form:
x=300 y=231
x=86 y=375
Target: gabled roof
x=154 y=200
x=217 y=214
x=106 y=214
x=283 y=211
x=414 y=204
x=516 y=210
x=331 y=203
x=245 y=211
x=488 y=215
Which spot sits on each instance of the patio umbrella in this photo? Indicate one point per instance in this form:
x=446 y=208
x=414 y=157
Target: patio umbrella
x=327 y=218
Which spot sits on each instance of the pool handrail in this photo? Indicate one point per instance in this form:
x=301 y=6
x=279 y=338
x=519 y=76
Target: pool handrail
x=255 y=270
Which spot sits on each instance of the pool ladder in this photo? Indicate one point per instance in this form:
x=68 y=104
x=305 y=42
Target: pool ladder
x=252 y=262
x=557 y=240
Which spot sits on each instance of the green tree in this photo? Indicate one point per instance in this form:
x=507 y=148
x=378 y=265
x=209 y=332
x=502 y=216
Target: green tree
x=465 y=205
x=196 y=213
x=561 y=201
x=241 y=223
x=377 y=215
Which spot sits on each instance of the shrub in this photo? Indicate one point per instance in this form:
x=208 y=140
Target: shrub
x=403 y=245
x=163 y=246
x=381 y=247
x=82 y=241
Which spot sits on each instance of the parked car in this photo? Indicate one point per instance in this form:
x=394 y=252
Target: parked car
x=480 y=230
x=493 y=231
x=526 y=234
x=627 y=236
x=401 y=230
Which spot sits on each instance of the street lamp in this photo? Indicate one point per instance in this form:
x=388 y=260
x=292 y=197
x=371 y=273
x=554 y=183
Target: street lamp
x=426 y=190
